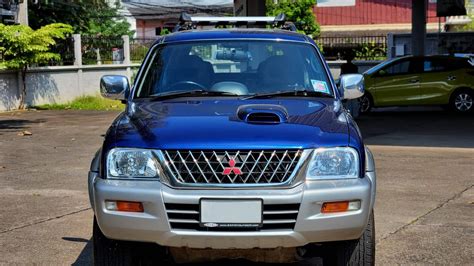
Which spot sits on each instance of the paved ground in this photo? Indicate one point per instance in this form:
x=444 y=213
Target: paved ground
x=424 y=210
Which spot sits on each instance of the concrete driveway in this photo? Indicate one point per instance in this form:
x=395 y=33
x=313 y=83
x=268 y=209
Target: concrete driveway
x=424 y=211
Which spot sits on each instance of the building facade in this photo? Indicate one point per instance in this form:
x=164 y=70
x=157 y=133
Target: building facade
x=362 y=17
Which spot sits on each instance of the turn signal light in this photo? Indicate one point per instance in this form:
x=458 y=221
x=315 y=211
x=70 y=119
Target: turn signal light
x=124 y=206
x=340 y=206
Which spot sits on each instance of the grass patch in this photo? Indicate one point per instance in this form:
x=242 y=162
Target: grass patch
x=85 y=103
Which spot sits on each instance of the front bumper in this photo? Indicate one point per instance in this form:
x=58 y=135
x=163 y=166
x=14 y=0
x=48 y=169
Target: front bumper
x=311 y=225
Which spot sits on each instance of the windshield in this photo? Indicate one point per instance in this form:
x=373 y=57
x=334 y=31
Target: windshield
x=233 y=68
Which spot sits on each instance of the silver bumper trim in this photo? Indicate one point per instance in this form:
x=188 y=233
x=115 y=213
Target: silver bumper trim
x=311 y=225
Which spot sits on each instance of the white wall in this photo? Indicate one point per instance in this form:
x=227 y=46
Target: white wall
x=60 y=84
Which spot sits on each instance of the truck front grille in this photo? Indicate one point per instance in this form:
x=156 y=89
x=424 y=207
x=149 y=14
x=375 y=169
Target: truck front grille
x=275 y=217
x=263 y=167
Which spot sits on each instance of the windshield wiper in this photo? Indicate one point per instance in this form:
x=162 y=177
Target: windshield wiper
x=175 y=94
x=289 y=93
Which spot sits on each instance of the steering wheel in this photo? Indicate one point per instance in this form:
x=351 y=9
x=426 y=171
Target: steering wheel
x=187 y=82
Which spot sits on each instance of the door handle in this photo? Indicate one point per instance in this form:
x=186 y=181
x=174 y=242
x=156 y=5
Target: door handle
x=451 y=78
x=414 y=80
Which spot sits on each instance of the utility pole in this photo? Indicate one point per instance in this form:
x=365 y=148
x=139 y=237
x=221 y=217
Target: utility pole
x=418 y=27
x=23 y=12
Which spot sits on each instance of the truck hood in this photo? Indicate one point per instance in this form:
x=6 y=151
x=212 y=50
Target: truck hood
x=214 y=124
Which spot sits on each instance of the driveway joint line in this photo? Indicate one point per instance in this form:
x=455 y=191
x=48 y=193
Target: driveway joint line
x=44 y=220
x=457 y=195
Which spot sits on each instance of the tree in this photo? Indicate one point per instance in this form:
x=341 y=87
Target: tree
x=22 y=46
x=88 y=17
x=298 y=11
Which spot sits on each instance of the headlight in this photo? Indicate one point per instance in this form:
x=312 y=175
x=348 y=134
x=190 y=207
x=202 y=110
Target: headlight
x=131 y=163
x=334 y=163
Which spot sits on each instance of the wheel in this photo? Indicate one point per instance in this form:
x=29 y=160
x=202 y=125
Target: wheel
x=365 y=103
x=113 y=252
x=462 y=101
x=109 y=252
x=353 y=252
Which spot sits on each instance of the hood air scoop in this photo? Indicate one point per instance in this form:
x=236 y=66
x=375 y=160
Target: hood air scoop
x=262 y=114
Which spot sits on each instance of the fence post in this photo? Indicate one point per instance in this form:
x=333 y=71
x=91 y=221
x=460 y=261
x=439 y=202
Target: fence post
x=77 y=50
x=126 y=54
x=126 y=49
x=390 y=46
x=78 y=59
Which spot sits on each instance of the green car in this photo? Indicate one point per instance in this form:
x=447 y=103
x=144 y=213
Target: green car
x=428 y=80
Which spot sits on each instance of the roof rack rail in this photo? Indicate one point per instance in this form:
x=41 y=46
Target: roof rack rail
x=187 y=22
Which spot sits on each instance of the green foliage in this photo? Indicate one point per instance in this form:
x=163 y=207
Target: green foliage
x=85 y=103
x=371 y=51
x=470 y=25
x=164 y=31
x=298 y=11
x=89 y=17
x=22 y=46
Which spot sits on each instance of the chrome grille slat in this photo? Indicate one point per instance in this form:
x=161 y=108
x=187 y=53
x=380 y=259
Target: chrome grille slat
x=187 y=221
x=183 y=211
x=197 y=165
x=169 y=161
x=287 y=221
x=253 y=167
x=187 y=168
x=281 y=212
x=266 y=165
x=250 y=167
x=210 y=166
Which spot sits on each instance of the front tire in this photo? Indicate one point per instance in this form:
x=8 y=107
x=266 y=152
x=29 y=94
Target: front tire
x=462 y=101
x=354 y=252
x=107 y=251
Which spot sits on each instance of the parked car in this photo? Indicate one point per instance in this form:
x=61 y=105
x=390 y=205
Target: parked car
x=428 y=80
x=234 y=144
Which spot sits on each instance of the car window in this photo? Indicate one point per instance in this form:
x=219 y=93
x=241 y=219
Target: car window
x=434 y=65
x=398 y=68
x=240 y=67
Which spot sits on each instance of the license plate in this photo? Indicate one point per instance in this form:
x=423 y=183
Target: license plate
x=231 y=213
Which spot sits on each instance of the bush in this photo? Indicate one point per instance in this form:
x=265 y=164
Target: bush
x=85 y=103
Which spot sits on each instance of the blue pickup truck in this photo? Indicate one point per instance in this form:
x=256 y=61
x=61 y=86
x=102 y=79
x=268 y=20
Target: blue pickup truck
x=234 y=144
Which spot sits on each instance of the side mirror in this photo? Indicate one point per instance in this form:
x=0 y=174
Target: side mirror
x=114 y=87
x=352 y=86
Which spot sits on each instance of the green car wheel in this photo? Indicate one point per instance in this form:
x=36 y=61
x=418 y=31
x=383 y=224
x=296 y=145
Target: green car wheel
x=365 y=104
x=462 y=101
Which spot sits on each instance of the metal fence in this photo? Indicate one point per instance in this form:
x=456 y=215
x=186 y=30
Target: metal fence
x=361 y=47
x=101 y=50
x=65 y=48
x=109 y=50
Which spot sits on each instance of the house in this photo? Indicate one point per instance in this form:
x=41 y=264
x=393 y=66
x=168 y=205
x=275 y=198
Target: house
x=370 y=17
x=154 y=16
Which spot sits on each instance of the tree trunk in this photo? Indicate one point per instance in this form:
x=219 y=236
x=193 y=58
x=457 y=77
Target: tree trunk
x=22 y=88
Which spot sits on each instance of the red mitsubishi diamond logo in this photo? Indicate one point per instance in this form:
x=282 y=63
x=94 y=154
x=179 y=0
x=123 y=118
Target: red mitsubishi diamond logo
x=232 y=168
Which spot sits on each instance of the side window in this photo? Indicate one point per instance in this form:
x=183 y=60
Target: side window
x=434 y=65
x=399 y=68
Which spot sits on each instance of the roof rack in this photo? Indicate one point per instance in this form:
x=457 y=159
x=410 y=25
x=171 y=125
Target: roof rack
x=187 y=22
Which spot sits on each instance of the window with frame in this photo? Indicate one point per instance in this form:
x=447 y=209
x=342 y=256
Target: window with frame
x=399 y=68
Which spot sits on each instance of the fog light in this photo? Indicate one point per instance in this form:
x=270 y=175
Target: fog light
x=124 y=206
x=340 y=206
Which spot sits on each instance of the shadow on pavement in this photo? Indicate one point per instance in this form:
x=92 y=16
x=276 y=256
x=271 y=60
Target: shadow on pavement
x=8 y=125
x=85 y=258
x=420 y=127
